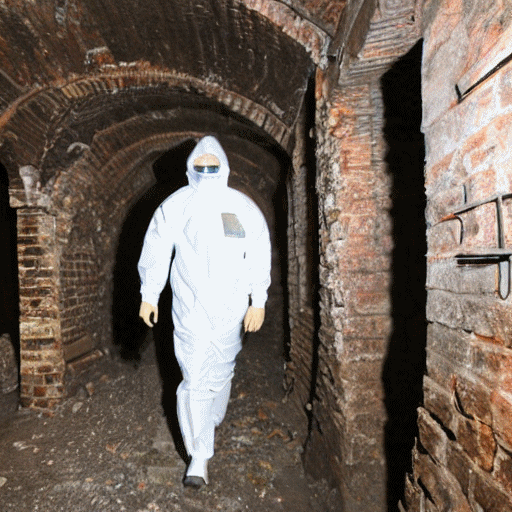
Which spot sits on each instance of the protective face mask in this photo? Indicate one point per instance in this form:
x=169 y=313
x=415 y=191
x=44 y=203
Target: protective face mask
x=207 y=169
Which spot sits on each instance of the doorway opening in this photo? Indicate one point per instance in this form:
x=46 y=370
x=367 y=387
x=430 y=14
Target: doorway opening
x=9 y=303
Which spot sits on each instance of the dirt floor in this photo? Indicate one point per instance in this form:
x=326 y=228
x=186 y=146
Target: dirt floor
x=109 y=446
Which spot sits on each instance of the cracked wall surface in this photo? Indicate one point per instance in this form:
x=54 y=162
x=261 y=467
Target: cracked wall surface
x=461 y=460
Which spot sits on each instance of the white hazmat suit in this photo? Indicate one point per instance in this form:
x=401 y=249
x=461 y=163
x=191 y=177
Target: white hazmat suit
x=221 y=262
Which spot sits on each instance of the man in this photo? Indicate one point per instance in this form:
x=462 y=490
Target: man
x=220 y=274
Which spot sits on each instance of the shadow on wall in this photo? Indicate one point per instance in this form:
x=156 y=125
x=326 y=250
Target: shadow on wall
x=279 y=274
x=405 y=362
x=129 y=330
x=130 y=334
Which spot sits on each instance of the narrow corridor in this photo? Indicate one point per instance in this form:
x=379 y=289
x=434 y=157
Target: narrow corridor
x=108 y=448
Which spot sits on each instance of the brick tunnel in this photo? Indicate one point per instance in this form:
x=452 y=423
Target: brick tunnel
x=370 y=133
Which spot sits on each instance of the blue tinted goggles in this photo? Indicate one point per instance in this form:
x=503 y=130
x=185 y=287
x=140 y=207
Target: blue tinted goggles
x=207 y=169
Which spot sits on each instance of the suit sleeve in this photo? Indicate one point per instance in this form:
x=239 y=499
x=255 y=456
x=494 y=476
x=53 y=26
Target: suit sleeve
x=260 y=260
x=155 y=258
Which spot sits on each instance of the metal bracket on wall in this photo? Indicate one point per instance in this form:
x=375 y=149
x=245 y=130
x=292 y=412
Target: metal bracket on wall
x=462 y=95
x=490 y=255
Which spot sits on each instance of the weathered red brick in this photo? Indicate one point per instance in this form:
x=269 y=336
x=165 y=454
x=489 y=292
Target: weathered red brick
x=53 y=378
x=444 y=237
x=503 y=470
x=30 y=357
x=55 y=391
x=477 y=439
x=444 y=489
x=474 y=398
x=505 y=89
x=364 y=327
x=362 y=303
x=432 y=436
x=501 y=407
x=489 y=495
x=40 y=391
x=438 y=402
x=45 y=369
x=26 y=390
x=413 y=494
x=490 y=360
x=436 y=171
x=450 y=343
x=460 y=466
x=356 y=348
x=484 y=184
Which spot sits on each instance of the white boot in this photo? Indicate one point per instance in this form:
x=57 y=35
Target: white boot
x=197 y=473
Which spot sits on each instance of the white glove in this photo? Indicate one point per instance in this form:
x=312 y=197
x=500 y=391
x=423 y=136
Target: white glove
x=253 y=319
x=145 y=313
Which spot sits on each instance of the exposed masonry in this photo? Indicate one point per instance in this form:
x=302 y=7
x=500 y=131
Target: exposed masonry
x=82 y=121
x=32 y=125
x=355 y=242
x=311 y=36
x=462 y=459
x=345 y=345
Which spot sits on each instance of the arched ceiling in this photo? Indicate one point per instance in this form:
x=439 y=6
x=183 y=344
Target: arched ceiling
x=221 y=43
x=72 y=69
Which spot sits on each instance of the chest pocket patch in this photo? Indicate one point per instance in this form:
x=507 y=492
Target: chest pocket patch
x=232 y=226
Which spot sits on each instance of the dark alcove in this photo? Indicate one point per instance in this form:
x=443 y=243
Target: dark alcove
x=9 y=294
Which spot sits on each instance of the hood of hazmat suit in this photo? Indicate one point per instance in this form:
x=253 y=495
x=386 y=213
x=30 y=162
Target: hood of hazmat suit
x=208 y=183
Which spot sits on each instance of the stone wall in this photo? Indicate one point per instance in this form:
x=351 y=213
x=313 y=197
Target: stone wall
x=302 y=267
x=462 y=459
x=345 y=338
x=347 y=435
x=42 y=366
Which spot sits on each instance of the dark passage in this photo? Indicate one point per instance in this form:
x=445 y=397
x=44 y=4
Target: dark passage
x=9 y=296
x=131 y=335
x=405 y=362
x=9 y=305
x=129 y=331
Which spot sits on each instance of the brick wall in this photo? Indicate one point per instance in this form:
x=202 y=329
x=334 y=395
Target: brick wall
x=345 y=338
x=42 y=366
x=302 y=269
x=355 y=246
x=82 y=302
x=462 y=459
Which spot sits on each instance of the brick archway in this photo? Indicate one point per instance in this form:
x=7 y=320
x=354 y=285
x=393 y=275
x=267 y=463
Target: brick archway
x=68 y=226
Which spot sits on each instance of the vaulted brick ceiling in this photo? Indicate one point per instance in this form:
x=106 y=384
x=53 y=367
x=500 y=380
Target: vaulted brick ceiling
x=210 y=47
x=72 y=69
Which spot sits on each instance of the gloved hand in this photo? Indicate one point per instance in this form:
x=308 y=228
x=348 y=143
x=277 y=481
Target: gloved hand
x=253 y=319
x=145 y=313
